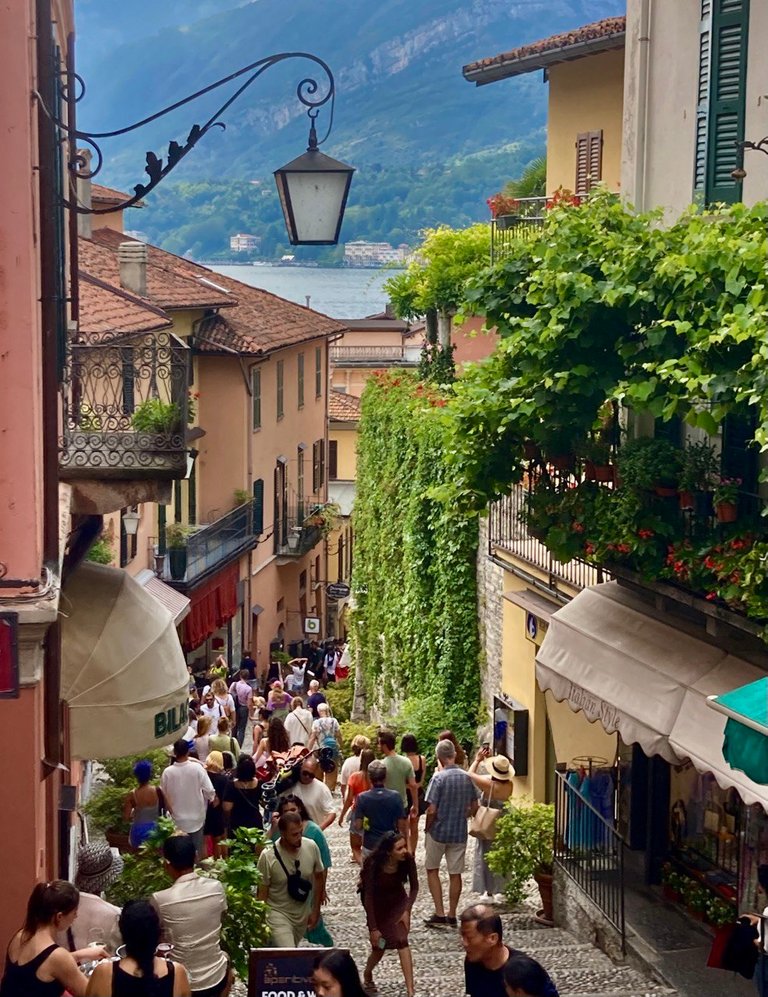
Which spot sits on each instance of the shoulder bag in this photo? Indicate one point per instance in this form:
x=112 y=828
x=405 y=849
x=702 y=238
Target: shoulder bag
x=483 y=824
x=299 y=888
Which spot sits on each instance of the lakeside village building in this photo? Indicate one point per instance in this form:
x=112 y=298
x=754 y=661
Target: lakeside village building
x=374 y=254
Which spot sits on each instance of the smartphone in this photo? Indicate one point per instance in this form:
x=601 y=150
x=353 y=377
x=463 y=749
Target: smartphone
x=486 y=745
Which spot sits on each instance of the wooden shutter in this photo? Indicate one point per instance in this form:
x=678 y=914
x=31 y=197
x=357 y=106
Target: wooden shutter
x=727 y=97
x=258 y=506
x=589 y=161
x=333 y=460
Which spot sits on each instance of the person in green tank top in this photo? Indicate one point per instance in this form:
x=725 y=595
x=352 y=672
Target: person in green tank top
x=400 y=774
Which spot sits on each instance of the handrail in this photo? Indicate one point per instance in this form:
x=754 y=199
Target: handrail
x=590 y=851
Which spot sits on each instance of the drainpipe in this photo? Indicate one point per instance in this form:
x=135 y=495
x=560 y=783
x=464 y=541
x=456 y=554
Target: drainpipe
x=637 y=72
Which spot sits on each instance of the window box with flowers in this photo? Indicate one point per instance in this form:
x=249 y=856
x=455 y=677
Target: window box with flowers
x=726 y=500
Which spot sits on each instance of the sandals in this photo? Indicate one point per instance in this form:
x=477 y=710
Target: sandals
x=436 y=921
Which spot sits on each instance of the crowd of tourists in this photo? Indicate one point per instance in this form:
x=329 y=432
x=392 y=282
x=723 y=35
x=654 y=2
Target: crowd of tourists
x=294 y=783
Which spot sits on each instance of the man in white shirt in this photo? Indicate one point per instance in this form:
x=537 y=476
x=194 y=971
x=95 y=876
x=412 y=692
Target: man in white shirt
x=314 y=794
x=190 y=914
x=187 y=791
x=298 y=723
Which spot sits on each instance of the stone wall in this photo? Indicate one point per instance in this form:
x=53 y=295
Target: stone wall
x=490 y=608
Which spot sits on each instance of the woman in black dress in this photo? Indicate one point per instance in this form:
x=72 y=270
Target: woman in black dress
x=387 y=904
x=215 y=826
x=140 y=973
x=242 y=797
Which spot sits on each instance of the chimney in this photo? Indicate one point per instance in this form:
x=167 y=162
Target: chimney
x=132 y=257
x=83 y=189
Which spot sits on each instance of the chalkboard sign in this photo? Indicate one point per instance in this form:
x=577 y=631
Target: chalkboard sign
x=283 y=972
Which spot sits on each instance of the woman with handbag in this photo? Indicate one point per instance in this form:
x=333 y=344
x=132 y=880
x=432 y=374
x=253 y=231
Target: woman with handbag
x=496 y=787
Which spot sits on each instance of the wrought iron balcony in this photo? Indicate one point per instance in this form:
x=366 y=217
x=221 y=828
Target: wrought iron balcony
x=524 y=224
x=209 y=547
x=299 y=526
x=507 y=532
x=125 y=408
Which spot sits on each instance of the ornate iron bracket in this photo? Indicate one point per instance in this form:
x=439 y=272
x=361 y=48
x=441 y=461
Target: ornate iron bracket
x=762 y=146
x=156 y=167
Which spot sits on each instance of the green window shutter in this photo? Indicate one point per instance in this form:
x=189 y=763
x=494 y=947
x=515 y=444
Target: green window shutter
x=727 y=97
x=702 y=100
x=258 y=506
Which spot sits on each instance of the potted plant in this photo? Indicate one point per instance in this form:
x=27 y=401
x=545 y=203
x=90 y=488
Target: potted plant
x=176 y=537
x=504 y=209
x=696 y=898
x=104 y=810
x=157 y=417
x=650 y=465
x=719 y=913
x=524 y=848
x=671 y=882
x=699 y=469
x=726 y=499
x=597 y=461
x=325 y=517
x=242 y=495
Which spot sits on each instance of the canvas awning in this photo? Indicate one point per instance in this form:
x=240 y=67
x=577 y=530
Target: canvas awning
x=745 y=745
x=178 y=605
x=606 y=655
x=123 y=674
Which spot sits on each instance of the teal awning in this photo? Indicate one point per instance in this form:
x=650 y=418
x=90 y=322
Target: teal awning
x=745 y=743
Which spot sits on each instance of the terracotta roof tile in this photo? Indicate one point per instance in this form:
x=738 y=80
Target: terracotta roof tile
x=574 y=44
x=251 y=321
x=109 y=313
x=343 y=407
x=170 y=284
x=109 y=194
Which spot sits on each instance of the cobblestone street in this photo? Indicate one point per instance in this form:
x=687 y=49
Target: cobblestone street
x=577 y=968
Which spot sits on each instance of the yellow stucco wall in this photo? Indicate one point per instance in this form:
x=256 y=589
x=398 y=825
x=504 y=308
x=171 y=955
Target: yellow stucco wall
x=345 y=436
x=585 y=95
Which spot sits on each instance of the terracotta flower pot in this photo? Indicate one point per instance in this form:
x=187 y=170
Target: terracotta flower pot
x=687 y=500
x=665 y=491
x=726 y=512
x=544 y=881
x=669 y=894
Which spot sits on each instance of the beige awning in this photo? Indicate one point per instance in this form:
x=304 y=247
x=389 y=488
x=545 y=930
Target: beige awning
x=606 y=655
x=123 y=675
x=178 y=605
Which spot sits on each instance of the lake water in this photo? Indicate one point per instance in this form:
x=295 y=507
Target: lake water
x=338 y=292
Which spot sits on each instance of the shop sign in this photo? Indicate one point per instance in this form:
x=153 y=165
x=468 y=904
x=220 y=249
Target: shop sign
x=283 y=972
x=9 y=656
x=312 y=625
x=337 y=590
x=535 y=628
x=172 y=720
x=594 y=708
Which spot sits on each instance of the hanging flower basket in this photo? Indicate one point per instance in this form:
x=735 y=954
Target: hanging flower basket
x=726 y=512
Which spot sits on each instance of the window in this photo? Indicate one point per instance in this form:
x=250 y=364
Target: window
x=333 y=460
x=300 y=483
x=721 y=97
x=300 y=379
x=258 y=507
x=589 y=161
x=280 y=388
x=318 y=465
x=281 y=503
x=318 y=371
x=256 y=397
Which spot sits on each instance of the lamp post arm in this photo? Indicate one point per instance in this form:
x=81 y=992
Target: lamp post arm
x=157 y=169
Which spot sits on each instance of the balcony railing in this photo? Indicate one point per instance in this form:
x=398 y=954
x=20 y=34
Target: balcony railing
x=524 y=224
x=299 y=526
x=590 y=851
x=364 y=354
x=507 y=532
x=212 y=546
x=125 y=409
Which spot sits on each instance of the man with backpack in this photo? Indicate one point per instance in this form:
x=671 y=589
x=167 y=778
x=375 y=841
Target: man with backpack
x=326 y=735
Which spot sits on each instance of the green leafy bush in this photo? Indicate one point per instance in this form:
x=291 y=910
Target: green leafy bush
x=156 y=416
x=100 y=552
x=523 y=846
x=351 y=728
x=340 y=696
x=104 y=809
x=120 y=770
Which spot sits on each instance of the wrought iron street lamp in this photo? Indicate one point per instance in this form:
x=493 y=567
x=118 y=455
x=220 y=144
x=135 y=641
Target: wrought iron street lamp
x=313 y=188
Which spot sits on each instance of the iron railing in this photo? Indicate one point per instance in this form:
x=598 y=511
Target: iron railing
x=507 y=532
x=125 y=409
x=212 y=546
x=359 y=354
x=299 y=525
x=524 y=224
x=590 y=851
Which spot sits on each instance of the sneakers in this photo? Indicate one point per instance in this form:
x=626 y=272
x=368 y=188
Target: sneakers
x=436 y=921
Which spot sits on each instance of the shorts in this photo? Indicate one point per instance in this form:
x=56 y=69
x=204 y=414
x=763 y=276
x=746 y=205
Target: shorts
x=454 y=853
x=285 y=933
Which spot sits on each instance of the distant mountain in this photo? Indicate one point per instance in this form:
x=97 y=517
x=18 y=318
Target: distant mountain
x=402 y=104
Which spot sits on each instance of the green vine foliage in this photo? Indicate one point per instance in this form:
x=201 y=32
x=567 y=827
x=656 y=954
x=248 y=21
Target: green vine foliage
x=415 y=625
x=608 y=304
